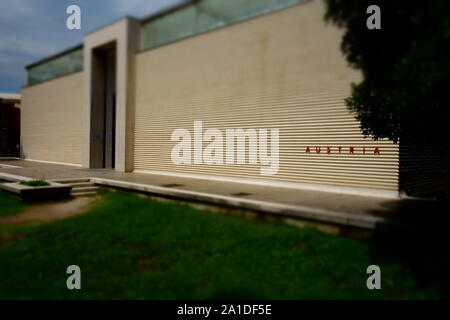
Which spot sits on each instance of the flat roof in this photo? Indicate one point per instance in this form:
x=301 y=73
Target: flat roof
x=10 y=96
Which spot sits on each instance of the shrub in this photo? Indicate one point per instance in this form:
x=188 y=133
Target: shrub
x=35 y=183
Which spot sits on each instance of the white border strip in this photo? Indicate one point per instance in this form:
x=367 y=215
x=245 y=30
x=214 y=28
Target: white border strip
x=55 y=162
x=310 y=213
x=7 y=166
x=13 y=177
x=282 y=184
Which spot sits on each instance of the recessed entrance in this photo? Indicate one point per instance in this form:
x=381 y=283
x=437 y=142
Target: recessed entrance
x=103 y=107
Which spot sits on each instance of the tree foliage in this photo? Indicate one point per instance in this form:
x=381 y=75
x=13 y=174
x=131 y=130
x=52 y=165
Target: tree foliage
x=405 y=91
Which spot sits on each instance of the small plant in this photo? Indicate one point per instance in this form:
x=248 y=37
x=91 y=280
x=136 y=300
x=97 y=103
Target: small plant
x=35 y=183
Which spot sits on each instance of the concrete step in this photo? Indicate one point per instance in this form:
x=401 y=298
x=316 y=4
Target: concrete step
x=82 y=193
x=85 y=189
x=81 y=184
x=72 y=180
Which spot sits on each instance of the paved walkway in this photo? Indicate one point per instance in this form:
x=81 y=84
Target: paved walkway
x=49 y=211
x=349 y=210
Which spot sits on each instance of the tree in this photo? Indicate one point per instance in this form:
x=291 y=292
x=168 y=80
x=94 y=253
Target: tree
x=405 y=91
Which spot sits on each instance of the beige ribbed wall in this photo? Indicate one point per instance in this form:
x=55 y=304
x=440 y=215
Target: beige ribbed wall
x=283 y=70
x=51 y=123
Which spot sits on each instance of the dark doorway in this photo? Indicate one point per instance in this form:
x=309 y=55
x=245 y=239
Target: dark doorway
x=103 y=107
x=9 y=127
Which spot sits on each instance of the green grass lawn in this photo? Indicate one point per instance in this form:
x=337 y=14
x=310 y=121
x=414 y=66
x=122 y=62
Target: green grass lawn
x=10 y=204
x=130 y=247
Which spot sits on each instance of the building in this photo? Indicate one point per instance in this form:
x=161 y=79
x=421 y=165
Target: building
x=9 y=125
x=262 y=66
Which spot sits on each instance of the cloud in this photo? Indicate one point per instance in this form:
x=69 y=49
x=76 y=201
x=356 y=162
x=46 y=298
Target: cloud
x=18 y=8
x=31 y=30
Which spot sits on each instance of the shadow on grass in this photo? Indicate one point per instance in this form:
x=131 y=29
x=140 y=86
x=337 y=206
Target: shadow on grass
x=421 y=244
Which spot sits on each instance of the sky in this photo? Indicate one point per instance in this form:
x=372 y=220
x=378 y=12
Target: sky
x=34 y=29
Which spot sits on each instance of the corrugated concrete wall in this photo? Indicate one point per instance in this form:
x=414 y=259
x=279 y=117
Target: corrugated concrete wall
x=51 y=120
x=283 y=70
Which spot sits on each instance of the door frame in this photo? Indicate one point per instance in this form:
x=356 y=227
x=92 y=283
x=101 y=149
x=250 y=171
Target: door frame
x=124 y=33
